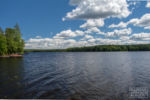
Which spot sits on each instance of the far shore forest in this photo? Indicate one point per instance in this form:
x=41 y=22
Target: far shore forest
x=11 y=41
x=98 y=48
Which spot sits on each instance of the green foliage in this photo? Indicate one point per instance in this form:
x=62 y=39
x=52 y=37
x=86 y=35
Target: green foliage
x=19 y=40
x=3 y=43
x=1 y=31
x=11 y=42
x=103 y=48
x=99 y=48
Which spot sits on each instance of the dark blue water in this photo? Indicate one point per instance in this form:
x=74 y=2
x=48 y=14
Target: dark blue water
x=74 y=76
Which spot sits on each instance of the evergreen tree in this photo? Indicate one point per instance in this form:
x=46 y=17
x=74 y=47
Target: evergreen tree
x=3 y=43
x=1 y=31
x=18 y=39
x=17 y=28
x=11 y=43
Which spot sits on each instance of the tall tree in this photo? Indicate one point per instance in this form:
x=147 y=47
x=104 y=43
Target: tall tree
x=18 y=39
x=17 y=28
x=3 y=43
x=11 y=44
x=17 y=32
x=1 y=31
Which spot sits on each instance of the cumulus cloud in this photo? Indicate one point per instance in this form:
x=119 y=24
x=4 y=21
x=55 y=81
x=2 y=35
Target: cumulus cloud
x=95 y=9
x=38 y=37
x=119 y=33
x=49 y=43
x=144 y=21
x=86 y=37
x=148 y=4
x=94 y=13
x=69 y=33
x=93 y=23
x=141 y=36
x=125 y=38
x=88 y=40
x=121 y=25
x=148 y=27
x=93 y=30
x=133 y=3
x=65 y=34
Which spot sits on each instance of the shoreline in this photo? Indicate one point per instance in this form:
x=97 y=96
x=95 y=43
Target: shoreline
x=12 y=56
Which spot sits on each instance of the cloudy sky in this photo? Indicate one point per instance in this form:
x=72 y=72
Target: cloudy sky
x=57 y=24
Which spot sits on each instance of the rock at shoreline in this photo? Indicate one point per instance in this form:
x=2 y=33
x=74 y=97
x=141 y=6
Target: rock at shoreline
x=13 y=55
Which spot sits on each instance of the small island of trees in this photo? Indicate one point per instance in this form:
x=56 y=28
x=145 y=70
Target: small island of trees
x=11 y=42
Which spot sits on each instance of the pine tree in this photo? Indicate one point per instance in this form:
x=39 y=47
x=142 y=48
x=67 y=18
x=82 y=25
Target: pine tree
x=1 y=31
x=11 y=43
x=18 y=39
x=3 y=43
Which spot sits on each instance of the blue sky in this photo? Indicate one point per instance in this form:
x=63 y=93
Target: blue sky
x=51 y=24
x=34 y=16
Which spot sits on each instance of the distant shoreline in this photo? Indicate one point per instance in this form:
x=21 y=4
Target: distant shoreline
x=98 y=48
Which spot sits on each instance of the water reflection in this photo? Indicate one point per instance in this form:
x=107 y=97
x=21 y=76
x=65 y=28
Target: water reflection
x=11 y=70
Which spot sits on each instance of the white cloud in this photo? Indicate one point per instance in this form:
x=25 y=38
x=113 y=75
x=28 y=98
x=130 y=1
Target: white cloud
x=86 y=37
x=133 y=3
x=124 y=38
x=109 y=42
x=95 y=9
x=121 y=25
x=93 y=30
x=93 y=23
x=49 y=43
x=94 y=12
x=119 y=33
x=148 y=4
x=141 y=36
x=69 y=33
x=38 y=37
x=148 y=27
x=142 y=22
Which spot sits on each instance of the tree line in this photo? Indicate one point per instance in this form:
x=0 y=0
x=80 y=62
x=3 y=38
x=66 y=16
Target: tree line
x=98 y=48
x=103 y=48
x=11 y=41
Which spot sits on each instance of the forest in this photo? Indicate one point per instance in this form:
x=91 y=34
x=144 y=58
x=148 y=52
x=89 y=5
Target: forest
x=107 y=48
x=11 y=41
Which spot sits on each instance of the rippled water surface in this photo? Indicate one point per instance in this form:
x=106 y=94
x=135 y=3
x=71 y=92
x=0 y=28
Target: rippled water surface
x=74 y=76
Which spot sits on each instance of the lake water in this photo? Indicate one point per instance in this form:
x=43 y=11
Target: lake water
x=75 y=76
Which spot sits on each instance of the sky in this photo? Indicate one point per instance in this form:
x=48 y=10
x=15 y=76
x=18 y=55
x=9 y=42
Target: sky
x=59 y=24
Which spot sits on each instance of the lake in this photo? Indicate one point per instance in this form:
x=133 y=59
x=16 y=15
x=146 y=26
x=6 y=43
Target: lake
x=76 y=76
